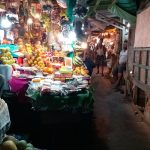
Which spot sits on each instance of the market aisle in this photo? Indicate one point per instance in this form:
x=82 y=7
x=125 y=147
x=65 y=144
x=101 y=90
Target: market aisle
x=112 y=126
x=115 y=120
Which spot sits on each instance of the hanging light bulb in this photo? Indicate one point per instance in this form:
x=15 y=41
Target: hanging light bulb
x=83 y=45
x=128 y=25
x=72 y=35
x=37 y=16
x=5 y=23
x=29 y=21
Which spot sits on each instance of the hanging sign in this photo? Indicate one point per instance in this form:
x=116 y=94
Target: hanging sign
x=68 y=62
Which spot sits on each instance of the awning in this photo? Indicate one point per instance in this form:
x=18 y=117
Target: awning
x=125 y=9
x=115 y=9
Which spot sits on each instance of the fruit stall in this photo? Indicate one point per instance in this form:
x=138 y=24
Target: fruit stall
x=53 y=80
x=41 y=60
x=43 y=50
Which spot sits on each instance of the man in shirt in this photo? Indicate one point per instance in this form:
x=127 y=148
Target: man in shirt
x=121 y=67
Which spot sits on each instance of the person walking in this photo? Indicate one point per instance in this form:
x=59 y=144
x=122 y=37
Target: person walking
x=100 y=58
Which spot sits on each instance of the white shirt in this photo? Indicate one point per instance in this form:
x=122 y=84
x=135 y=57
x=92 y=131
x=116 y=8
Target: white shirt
x=123 y=57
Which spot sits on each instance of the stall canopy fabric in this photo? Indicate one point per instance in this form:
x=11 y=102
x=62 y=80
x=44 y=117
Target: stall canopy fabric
x=125 y=9
x=130 y=6
x=115 y=9
x=70 y=5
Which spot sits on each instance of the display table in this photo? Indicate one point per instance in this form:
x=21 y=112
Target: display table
x=19 y=86
x=78 y=100
x=82 y=100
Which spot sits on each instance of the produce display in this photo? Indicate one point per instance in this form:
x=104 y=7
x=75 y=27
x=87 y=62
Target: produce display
x=36 y=60
x=80 y=71
x=48 y=85
x=6 y=57
x=45 y=63
x=49 y=70
x=11 y=143
x=77 y=61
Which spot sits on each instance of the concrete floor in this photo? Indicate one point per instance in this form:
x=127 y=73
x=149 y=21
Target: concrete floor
x=115 y=120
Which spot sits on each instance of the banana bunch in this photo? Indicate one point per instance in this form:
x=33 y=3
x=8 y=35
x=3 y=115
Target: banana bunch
x=77 y=61
x=28 y=48
x=80 y=71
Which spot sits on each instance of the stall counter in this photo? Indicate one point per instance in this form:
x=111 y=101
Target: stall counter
x=82 y=100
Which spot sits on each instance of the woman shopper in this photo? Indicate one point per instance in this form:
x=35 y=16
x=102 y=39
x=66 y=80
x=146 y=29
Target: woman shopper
x=100 y=58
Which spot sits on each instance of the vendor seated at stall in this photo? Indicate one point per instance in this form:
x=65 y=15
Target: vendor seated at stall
x=89 y=63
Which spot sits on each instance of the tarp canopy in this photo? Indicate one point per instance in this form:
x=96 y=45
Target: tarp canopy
x=130 y=6
x=125 y=9
x=115 y=9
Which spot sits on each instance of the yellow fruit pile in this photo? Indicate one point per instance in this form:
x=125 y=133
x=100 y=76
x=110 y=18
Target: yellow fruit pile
x=48 y=70
x=36 y=61
x=6 y=57
x=28 y=48
x=80 y=71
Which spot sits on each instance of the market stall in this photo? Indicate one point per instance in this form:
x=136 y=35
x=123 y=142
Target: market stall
x=44 y=53
x=59 y=86
x=47 y=81
x=53 y=80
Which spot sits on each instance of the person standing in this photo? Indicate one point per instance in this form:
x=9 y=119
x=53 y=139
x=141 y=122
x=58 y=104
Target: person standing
x=109 y=63
x=121 y=66
x=89 y=63
x=100 y=58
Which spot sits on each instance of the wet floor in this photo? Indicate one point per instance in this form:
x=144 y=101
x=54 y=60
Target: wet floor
x=113 y=125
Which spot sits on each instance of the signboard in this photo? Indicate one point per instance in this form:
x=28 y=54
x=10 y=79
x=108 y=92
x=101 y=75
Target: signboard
x=68 y=62
x=142 y=35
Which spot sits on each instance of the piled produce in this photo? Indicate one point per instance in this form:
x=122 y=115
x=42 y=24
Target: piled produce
x=36 y=60
x=11 y=143
x=77 y=61
x=80 y=71
x=21 y=45
x=48 y=70
x=28 y=48
x=6 y=57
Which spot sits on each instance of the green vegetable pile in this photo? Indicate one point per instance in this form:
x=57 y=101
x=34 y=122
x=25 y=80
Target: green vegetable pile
x=11 y=143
